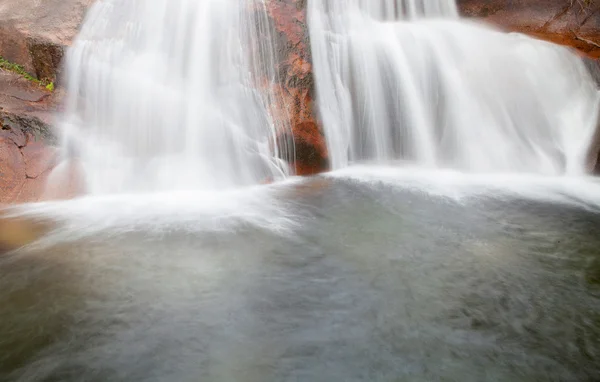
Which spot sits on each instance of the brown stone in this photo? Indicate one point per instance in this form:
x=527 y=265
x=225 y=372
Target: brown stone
x=26 y=154
x=12 y=170
x=39 y=159
x=34 y=33
x=295 y=89
x=564 y=22
x=65 y=181
x=14 y=134
x=310 y=149
x=24 y=104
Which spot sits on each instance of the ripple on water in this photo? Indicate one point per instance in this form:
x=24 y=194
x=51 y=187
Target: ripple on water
x=330 y=278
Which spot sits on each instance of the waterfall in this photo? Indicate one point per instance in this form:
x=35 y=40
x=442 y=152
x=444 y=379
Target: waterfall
x=408 y=80
x=173 y=94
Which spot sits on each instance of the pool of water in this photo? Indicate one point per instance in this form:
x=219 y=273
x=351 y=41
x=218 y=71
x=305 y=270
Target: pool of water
x=370 y=274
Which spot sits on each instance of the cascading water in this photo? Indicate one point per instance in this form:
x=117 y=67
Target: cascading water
x=166 y=94
x=406 y=79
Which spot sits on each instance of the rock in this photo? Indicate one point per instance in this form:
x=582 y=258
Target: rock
x=65 y=181
x=39 y=158
x=310 y=149
x=34 y=33
x=24 y=170
x=24 y=104
x=295 y=89
x=565 y=22
x=27 y=154
x=12 y=170
x=25 y=127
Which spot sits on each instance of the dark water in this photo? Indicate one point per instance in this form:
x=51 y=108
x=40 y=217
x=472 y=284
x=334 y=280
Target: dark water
x=368 y=282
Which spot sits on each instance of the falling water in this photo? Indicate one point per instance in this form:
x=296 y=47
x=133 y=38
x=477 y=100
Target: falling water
x=171 y=94
x=406 y=79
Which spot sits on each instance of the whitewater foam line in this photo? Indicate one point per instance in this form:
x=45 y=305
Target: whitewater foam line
x=155 y=213
x=579 y=191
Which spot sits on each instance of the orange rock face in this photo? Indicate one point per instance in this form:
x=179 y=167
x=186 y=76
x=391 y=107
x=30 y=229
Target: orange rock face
x=34 y=34
x=26 y=158
x=24 y=167
x=296 y=87
x=572 y=23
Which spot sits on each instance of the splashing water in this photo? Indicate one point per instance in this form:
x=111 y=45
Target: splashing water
x=170 y=95
x=409 y=80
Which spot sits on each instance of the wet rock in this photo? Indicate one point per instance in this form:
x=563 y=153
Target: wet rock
x=309 y=148
x=34 y=33
x=295 y=89
x=65 y=181
x=26 y=128
x=572 y=23
x=24 y=169
x=39 y=158
x=27 y=154
x=12 y=170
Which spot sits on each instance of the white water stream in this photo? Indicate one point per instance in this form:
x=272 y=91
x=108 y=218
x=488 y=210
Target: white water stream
x=166 y=95
x=409 y=80
x=176 y=94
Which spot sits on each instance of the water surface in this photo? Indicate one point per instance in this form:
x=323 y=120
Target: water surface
x=364 y=275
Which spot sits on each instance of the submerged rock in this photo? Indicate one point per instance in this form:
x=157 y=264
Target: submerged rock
x=18 y=232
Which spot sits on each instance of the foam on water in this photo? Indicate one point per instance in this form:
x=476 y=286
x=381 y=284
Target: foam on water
x=583 y=192
x=158 y=213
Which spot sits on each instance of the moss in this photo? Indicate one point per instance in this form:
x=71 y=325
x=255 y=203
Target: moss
x=18 y=69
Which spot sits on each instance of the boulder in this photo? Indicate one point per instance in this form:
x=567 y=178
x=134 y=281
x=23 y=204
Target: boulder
x=35 y=33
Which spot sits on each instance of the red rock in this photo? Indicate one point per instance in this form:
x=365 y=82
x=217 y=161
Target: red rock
x=310 y=149
x=34 y=33
x=25 y=113
x=65 y=181
x=15 y=135
x=39 y=158
x=33 y=189
x=12 y=170
x=295 y=88
x=564 y=22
